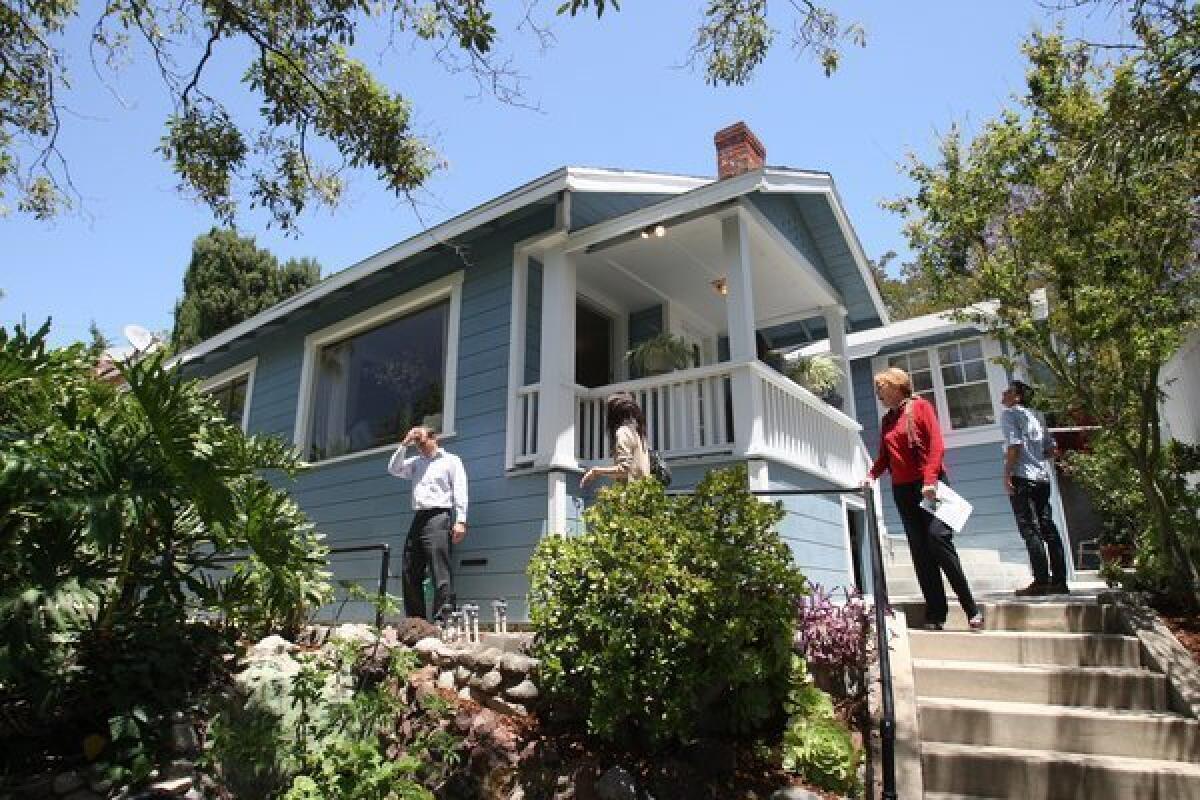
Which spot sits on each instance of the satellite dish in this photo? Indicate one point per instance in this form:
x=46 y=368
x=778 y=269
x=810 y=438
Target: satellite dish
x=139 y=337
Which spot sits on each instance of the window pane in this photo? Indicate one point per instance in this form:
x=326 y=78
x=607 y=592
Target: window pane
x=236 y=405
x=898 y=361
x=971 y=350
x=376 y=385
x=975 y=371
x=952 y=375
x=948 y=354
x=918 y=360
x=922 y=381
x=969 y=406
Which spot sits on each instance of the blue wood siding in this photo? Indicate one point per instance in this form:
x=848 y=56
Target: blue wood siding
x=356 y=501
x=589 y=208
x=814 y=527
x=809 y=224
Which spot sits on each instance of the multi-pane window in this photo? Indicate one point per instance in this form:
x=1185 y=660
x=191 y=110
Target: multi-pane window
x=916 y=364
x=954 y=378
x=231 y=397
x=964 y=378
x=373 y=386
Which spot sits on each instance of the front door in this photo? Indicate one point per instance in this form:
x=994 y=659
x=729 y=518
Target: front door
x=593 y=347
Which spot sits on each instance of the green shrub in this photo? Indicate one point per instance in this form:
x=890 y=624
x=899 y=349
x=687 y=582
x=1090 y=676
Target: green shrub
x=816 y=745
x=669 y=613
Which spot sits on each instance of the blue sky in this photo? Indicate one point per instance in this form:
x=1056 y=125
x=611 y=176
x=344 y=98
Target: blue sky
x=609 y=94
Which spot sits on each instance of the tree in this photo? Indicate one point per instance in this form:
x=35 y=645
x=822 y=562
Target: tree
x=230 y=279
x=314 y=96
x=911 y=294
x=1088 y=191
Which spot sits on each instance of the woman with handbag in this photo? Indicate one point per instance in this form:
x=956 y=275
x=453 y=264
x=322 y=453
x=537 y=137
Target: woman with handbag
x=911 y=448
x=626 y=440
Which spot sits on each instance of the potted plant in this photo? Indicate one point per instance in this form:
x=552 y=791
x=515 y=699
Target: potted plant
x=821 y=375
x=660 y=354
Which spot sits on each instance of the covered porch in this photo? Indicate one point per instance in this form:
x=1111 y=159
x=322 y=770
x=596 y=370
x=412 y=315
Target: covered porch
x=712 y=277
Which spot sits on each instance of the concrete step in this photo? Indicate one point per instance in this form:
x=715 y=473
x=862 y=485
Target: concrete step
x=898 y=554
x=954 y=796
x=1028 y=647
x=1101 y=687
x=1040 y=614
x=1053 y=775
x=1139 y=734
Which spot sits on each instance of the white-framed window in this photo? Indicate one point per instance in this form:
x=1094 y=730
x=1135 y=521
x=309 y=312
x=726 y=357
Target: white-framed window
x=231 y=389
x=369 y=378
x=961 y=380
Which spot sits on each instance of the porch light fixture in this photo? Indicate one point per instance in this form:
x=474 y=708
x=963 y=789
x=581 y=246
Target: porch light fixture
x=658 y=230
x=720 y=287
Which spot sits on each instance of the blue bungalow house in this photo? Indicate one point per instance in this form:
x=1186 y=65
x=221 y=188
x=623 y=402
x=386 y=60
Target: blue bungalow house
x=505 y=328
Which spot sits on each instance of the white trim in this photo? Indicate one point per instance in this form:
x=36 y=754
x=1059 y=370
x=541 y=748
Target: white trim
x=856 y=504
x=790 y=253
x=249 y=368
x=516 y=349
x=449 y=286
x=556 y=502
x=586 y=179
x=868 y=343
x=996 y=381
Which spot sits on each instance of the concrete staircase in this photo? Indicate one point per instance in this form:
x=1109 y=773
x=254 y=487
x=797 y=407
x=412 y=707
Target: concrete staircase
x=985 y=571
x=1045 y=705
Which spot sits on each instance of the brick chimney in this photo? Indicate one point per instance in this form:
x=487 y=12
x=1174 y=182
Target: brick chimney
x=738 y=151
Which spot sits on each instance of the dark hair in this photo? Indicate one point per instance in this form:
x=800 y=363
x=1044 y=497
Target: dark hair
x=1023 y=391
x=620 y=408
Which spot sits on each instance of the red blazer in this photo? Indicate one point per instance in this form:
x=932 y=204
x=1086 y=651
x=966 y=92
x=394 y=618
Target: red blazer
x=918 y=459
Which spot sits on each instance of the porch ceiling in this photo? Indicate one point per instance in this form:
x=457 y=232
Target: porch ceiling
x=680 y=266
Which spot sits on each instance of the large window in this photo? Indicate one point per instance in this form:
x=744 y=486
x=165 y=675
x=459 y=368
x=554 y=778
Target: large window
x=370 y=377
x=373 y=386
x=957 y=379
x=231 y=389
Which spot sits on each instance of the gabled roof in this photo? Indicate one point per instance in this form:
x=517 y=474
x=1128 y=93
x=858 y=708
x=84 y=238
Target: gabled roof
x=864 y=344
x=693 y=192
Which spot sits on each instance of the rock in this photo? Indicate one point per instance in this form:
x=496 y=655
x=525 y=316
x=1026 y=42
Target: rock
x=514 y=665
x=173 y=786
x=517 y=793
x=413 y=629
x=425 y=674
x=616 y=784
x=524 y=692
x=491 y=681
x=446 y=657
x=467 y=658
x=462 y=675
x=67 y=782
x=505 y=707
x=353 y=632
x=269 y=648
x=465 y=693
x=427 y=647
x=445 y=680
x=487 y=659
x=484 y=723
x=794 y=793
x=184 y=738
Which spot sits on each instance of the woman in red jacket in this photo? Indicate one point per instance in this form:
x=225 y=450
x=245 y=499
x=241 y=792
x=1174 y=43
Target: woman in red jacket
x=910 y=446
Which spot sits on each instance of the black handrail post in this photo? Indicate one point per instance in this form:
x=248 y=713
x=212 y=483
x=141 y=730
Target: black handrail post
x=385 y=563
x=887 y=727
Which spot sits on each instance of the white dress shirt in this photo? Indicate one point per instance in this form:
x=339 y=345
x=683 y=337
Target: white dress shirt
x=439 y=481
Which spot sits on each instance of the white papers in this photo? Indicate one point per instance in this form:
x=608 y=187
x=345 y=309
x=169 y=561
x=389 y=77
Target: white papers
x=950 y=507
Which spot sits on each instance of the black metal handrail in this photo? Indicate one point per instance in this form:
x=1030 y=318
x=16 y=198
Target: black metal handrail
x=887 y=725
x=385 y=561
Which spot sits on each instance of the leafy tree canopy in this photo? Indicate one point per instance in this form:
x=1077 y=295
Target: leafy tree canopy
x=297 y=62
x=230 y=279
x=1087 y=190
x=909 y=294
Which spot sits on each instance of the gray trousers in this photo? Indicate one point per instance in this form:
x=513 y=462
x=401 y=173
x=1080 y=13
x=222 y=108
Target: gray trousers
x=428 y=546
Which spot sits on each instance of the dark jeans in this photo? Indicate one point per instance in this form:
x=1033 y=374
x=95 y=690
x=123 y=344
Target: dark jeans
x=428 y=545
x=1031 y=505
x=931 y=543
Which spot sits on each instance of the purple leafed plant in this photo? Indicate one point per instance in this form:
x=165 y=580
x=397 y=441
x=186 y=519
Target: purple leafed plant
x=832 y=635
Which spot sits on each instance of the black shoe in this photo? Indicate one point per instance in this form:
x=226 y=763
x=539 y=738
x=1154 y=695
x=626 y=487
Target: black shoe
x=1058 y=588
x=1034 y=589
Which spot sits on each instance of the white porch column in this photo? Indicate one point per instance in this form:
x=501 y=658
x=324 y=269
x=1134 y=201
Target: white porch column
x=516 y=353
x=835 y=324
x=556 y=405
x=739 y=308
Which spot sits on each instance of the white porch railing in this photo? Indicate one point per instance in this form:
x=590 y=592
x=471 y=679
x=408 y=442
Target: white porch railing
x=687 y=413
x=690 y=413
x=523 y=425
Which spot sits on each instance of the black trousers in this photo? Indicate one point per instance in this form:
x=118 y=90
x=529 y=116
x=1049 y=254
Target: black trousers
x=1031 y=505
x=931 y=543
x=428 y=547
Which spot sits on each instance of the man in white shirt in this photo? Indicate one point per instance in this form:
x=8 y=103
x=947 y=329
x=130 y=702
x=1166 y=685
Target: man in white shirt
x=439 y=503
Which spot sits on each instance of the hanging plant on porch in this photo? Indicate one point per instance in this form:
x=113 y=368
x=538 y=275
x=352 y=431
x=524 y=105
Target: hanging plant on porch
x=662 y=353
x=821 y=375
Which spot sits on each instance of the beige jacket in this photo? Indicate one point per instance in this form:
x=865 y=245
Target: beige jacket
x=631 y=454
